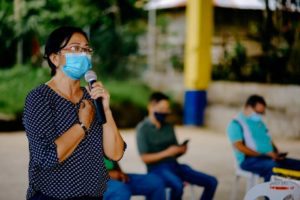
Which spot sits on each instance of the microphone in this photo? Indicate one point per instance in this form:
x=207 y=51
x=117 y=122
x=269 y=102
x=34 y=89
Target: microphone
x=91 y=77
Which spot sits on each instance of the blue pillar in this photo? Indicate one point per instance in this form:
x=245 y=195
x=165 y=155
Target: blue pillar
x=194 y=107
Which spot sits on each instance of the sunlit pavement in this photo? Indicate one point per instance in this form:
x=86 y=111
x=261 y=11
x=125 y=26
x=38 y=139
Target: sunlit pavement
x=208 y=152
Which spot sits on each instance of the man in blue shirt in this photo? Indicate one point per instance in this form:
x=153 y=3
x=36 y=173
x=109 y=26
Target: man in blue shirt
x=253 y=146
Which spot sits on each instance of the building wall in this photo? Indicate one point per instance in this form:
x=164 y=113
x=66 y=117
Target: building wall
x=282 y=116
x=226 y=99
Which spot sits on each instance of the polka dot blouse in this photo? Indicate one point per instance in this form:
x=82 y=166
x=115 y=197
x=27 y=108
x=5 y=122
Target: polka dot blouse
x=48 y=115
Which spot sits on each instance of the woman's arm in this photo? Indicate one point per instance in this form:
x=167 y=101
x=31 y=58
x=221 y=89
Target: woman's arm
x=113 y=142
x=67 y=142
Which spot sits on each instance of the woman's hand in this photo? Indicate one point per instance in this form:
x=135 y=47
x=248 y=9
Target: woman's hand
x=98 y=91
x=113 y=142
x=86 y=113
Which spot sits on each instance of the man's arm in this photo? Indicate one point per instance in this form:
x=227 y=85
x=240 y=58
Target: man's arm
x=236 y=137
x=274 y=147
x=173 y=150
x=118 y=174
x=249 y=152
x=244 y=149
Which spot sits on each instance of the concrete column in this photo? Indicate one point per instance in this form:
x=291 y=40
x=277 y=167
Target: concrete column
x=151 y=39
x=197 y=69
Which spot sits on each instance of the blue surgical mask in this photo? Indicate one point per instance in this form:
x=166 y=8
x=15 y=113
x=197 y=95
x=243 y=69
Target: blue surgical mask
x=77 y=64
x=255 y=117
x=161 y=117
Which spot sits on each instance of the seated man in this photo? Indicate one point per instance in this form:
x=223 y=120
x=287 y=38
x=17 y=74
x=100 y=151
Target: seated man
x=159 y=149
x=253 y=146
x=122 y=186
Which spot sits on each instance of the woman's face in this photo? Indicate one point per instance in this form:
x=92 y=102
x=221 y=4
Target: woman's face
x=77 y=44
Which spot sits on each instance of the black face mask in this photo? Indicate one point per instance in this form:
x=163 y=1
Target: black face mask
x=161 y=117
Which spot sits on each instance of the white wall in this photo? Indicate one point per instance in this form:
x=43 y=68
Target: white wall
x=283 y=113
x=226 y=99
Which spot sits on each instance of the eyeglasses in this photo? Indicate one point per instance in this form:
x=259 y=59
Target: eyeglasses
x=79 y=49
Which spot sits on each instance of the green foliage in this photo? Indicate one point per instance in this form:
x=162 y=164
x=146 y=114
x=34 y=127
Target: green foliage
x=6 y=32
x=114 y=46
x=132 y=91
x=15 y=84
x=162 y=22
x=177 y=62
x=105 y=21
x=232 y=65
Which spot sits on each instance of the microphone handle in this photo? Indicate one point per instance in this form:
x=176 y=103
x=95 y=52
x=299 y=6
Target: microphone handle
x=98 y=106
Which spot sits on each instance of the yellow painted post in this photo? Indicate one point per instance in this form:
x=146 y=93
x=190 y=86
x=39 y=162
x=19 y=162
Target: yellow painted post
x=197 y=69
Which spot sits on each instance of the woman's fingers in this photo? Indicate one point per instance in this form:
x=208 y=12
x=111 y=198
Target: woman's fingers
x=82 y=105
x=99 y=91
x=97 y=84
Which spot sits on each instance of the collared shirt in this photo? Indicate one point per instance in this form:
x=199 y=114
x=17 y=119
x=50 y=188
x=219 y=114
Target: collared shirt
x=151 y=139
x=258 y=133
x=47 y=116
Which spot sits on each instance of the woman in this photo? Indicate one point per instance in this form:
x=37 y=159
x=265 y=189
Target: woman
x=66 y=142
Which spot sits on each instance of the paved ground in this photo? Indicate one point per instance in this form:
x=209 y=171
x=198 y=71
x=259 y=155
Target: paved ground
x=208 y=151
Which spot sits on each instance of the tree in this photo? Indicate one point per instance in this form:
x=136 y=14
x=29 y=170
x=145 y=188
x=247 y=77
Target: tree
x=33 y=20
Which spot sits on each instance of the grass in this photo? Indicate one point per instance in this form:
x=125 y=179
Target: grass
x=15 y=83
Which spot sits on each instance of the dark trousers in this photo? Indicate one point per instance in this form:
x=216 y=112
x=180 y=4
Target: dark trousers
x=174 y=175
x=40 y=196
x=263 y=165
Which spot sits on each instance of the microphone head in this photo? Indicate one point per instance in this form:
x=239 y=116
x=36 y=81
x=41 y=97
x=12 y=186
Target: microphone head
x=90 y=76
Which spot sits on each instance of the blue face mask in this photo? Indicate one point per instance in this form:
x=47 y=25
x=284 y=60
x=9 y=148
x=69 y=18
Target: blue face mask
x=255 y=117
x=77 y=64
x=161 y=117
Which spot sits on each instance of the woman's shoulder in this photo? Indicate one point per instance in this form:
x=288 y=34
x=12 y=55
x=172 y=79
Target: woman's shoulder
x=38 y=92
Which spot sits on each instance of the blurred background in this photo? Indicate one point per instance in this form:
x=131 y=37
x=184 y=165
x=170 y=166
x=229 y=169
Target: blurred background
x=139 y=46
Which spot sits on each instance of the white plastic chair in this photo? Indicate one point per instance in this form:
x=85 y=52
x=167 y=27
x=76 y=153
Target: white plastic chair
x=281 y=178
x=252 y=179
x=276 y=190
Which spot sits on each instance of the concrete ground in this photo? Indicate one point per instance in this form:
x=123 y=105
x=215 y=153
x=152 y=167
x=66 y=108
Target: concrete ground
x=209 y=152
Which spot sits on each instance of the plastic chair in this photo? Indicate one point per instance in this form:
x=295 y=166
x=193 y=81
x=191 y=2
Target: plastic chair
x=276 y=190
x=282 y=178
x=252 y=179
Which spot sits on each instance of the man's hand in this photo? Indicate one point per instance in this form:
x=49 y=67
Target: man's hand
x=118 y=175
x=175 y=150
x=275 y=156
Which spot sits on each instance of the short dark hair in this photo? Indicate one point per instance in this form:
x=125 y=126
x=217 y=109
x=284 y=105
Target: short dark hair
x=158 y=96
x=57 y=40
x=255 y=99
